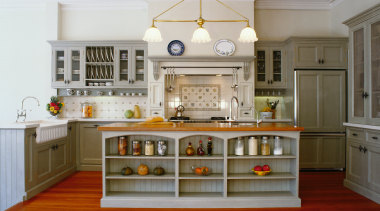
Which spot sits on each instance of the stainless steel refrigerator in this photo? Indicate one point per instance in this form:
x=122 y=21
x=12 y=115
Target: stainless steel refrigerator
x=320 y=107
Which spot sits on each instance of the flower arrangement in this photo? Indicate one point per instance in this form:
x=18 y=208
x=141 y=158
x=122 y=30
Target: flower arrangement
x=54 y=107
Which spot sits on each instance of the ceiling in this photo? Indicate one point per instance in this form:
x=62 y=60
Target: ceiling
x=259 y=4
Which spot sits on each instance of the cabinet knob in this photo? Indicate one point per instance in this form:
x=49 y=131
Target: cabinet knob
x=364 y=150
x=271 y=81
x=360 y=148
x=319 y=61
x=354 y=134
x=246 y=113
x=70 y=128
x=374 y=137
x=268 y=81
x=323 y=61
x=365 y=95
x=160 y=104
x=34 y=134
x=242 y=103
x=155 y=113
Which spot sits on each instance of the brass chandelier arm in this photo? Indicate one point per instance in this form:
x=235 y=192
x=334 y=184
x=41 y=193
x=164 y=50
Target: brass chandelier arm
x=228 y=7
x=214 y=21
x=175 y=20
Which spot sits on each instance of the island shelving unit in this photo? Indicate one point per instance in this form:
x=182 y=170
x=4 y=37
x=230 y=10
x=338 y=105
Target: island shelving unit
x=231 y=182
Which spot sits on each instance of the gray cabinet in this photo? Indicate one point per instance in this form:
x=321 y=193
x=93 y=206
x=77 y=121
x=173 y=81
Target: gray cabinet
x=59 y=156
x=71 y=143
x=91 y=64
x=320 y=54
x=67 y=66
x=364 y=68
x=322 y=151
x=270 y=65
x=356 y=170
x=90 y=146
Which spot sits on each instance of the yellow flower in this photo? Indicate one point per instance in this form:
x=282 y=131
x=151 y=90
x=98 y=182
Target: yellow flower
x=51 y=108
x=63 y=104
x=55 y=111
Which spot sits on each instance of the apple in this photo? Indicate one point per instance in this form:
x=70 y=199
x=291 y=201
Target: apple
x=258 y=168
x=266 y=168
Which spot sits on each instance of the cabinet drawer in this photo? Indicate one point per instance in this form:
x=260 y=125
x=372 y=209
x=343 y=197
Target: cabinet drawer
x=156 y=112
x=355 y=133
x=245 y=113
x=373 y=136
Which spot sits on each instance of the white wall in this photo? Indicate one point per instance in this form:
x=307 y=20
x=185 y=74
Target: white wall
x=24 y=61
x=346 y=10
x=278 y=25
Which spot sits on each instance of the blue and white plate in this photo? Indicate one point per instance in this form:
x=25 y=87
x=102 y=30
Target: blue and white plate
x=176 y=48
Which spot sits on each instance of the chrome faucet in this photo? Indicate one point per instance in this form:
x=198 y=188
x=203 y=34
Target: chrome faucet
x=22 y=112
x=236 y=107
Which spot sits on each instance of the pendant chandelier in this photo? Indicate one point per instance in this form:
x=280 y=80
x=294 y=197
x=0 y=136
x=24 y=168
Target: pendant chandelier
x=200 y=35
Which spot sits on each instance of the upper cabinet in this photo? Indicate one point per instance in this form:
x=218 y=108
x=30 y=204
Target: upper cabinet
x=270 y=65
x=364 y=67
x=319 y=53
x=99 y=64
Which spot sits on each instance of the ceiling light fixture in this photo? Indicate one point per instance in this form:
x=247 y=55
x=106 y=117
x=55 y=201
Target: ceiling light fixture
x=200 y=35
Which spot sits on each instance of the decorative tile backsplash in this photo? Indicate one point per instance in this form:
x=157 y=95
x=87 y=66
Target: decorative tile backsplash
x=202 y=85
x=200 y=97
x=104 y=107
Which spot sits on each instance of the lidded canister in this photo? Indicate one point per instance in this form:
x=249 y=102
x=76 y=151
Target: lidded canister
x=136 y=148
x=265 y=147
x=253 y=146
x=277 y=146
x=122 y=146
x=149 y=148
x=162 y=148
x=239 y=146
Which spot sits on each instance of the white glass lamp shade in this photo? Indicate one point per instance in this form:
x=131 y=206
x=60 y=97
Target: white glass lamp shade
x=248 y=35
x=152 y=34
x=201 y=35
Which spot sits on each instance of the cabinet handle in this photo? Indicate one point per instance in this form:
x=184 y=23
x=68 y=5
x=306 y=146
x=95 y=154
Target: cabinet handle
x=354 y=134
x=56 y=146
x=160 y=104
x=246 y=113
x=319 y=61
x=68 y=81
x=268 y=81
x=323 y=61
x=34 y=134
x=96 y=125
x=70 y=128
x=374 y=137
x=155 y=112
x=271 y=81
x=364 y=150
x=242 y=103
x=365 y=95
x=360 y=148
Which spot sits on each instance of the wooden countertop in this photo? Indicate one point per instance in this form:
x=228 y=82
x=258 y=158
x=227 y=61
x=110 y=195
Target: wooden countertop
x=200 y=127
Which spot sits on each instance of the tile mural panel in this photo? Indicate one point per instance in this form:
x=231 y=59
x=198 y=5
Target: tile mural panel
x=200 y=97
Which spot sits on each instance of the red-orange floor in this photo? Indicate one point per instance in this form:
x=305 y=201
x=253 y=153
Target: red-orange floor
x=318 y=191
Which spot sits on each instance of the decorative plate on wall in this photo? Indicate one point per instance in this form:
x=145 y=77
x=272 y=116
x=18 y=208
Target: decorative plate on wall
x=176 y=48
x=224 y=47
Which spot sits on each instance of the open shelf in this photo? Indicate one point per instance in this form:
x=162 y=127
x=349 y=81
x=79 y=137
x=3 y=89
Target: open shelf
x=156 y=157
x=261 y=157
x=139 y=195
x=194 y=176
x=272 y=175
x=136 y=176
x=261 y=194
x=205 y=157
x=200 y=194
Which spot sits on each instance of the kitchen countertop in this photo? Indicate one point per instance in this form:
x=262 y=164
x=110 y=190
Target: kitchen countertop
x=200 y=127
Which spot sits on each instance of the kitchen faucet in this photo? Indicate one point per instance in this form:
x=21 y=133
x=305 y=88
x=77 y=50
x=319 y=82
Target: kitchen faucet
x=236 y=107
x=22 y=112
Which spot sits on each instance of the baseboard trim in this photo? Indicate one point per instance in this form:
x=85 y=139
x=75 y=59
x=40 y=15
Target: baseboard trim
x=362 y=191
x=90 y=168
x=48 y=183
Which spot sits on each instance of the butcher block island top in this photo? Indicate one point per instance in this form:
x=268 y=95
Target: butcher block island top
x=229 y=182
x=168 y=126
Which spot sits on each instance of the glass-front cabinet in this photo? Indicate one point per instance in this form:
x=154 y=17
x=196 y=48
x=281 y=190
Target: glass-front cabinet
x=131 y=67
x=364 y=72
x=67 y=67
x=270 y=71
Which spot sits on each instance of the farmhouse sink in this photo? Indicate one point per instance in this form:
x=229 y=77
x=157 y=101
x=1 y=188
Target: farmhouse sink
x=48 y=130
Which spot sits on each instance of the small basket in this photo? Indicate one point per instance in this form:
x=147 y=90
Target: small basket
x=262 y=173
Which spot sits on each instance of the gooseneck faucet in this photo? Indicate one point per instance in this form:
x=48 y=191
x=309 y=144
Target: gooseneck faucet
x=234 y=118
x=22 y=112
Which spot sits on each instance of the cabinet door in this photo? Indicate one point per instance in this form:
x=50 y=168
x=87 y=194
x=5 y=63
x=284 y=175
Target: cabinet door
x=357 y=75
x=29 y=142
x=306 y=55
x=333 y=55
x=277 y=68
x=309 y=151
x=75 y=68
x=156 y=95
x=59 y=67
x=90 y=144
x=245 y=94
x=375 y=71
x=139 y=66
x=262 y=68
x=60 y=159
x=43 y=160
x=71 y=143
x=356 y=169
x=373 y=160
x=332 y=152
x=123 y=66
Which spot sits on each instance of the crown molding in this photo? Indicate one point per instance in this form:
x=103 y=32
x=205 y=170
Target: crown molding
x=103 y=5
x=297 y=4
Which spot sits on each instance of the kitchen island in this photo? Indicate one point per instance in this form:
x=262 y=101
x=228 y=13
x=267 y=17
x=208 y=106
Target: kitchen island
x=231 y=182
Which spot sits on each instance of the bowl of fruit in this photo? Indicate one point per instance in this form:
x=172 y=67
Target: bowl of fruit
x=201 y=171
x=262 y=170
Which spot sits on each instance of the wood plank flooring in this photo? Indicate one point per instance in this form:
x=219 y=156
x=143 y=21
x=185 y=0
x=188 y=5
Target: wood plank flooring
x=82 y=191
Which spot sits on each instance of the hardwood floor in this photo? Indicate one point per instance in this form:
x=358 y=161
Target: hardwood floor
x=82 y=191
